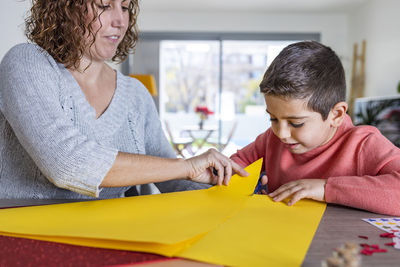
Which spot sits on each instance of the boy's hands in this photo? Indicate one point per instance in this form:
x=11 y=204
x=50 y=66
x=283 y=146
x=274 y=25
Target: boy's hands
x=304 y=188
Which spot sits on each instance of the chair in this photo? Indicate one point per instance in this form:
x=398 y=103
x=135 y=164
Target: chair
x=179 y=143
x=224 y=141
x=148 y=81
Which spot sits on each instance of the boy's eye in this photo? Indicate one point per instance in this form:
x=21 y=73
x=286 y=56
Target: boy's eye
x=125 y=8
x=296 y=125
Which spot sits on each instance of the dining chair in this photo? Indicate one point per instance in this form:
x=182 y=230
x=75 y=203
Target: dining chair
x=180 y=144
x=225 y=140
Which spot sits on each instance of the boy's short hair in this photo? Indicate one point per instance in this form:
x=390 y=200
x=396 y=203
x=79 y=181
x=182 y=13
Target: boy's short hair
x=307 y=70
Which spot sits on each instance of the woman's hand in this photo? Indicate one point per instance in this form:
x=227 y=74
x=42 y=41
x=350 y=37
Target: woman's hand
x=200 y=168
x=305 y=188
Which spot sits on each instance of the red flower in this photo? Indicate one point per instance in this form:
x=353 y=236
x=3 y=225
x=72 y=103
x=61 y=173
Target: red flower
x=203 y=110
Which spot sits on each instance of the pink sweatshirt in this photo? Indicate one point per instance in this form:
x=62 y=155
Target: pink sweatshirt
x=361 y=166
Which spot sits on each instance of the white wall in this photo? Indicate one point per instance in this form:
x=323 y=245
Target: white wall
x=378 y=22
x=12 y=26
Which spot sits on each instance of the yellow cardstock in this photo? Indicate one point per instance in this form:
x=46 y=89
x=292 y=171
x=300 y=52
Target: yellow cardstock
x=223 y=225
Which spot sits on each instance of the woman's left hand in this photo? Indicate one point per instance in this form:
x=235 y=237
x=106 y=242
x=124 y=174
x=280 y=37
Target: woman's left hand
x=304 y=188
x=203 y=167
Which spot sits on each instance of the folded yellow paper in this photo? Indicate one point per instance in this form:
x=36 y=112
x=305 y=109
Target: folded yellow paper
x=216 y=225
x=163 y=218
x=262 y=233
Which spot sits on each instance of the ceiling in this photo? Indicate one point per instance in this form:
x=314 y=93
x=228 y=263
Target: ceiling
x=282 y=6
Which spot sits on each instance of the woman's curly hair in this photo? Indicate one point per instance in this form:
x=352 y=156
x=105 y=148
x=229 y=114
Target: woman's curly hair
x=59 y=27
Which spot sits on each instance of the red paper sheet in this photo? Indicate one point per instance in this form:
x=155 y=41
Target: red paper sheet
x=28 y=252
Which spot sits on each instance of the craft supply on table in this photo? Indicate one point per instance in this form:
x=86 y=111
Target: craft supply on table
x=391 y=225
x=344 y=256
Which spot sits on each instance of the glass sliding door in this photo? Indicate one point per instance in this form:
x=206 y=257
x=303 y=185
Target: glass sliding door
x=188 y=78
x=189 y=82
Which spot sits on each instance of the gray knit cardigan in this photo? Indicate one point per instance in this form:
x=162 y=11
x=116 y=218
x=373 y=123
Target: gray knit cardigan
x=51 y=144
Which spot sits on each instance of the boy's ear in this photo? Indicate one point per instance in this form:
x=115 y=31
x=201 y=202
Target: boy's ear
x=338 y=114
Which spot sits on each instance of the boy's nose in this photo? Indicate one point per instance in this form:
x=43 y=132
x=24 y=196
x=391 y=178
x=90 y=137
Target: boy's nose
x=283 y=132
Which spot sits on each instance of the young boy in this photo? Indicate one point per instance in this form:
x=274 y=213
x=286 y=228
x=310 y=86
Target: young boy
x=312 y=149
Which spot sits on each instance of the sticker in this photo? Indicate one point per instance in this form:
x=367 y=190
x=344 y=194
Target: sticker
x=390 y=225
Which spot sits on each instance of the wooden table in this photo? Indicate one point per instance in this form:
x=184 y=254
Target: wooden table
x=342 y=224
x=338 y=226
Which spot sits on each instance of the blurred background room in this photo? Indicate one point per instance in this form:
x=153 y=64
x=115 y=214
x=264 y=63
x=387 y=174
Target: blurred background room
x=205 y=60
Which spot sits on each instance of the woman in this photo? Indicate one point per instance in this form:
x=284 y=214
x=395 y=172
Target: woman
x=71 y=126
